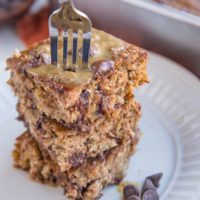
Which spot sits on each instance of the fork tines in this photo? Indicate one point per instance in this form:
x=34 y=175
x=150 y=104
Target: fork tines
x=75 y=28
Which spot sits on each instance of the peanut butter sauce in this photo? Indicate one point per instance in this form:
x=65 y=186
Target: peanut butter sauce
x=103 y=46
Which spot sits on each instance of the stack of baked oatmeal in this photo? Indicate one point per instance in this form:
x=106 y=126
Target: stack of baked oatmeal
x=81 y=122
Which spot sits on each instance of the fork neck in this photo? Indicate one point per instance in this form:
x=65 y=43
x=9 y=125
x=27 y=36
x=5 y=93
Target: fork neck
x=64 y=2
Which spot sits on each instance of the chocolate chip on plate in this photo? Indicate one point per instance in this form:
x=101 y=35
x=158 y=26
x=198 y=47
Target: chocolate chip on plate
x=133 y=197
x=148 y=192
x=156 y=179
x=150 y=195
x=148 y=185
x=130 y=190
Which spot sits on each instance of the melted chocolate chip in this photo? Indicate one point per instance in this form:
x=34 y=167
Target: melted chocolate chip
x=53 y=179
x=76 y=159
x=36 y=61
x=33 y=62
x=39 y=122
x=100 y=157
x=130 y=190
x=38 y=125
x=100 y=107
x=84 y=101
x=102 y=67
x=117 y=50
x=20 y=118
x=85 y=95
x=80 y=125
x=94 y=51
x=117 y=105
x=46 y=59
x=103 y=103
x=33 y=107
x=150 y=195
x=26 y=124
x=83 y=125
x=57 y=86
x=63 y=123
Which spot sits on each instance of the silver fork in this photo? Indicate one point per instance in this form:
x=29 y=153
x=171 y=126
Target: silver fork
x=66 y=21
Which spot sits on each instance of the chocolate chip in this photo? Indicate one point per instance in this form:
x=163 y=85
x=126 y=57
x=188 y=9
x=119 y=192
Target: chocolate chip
x=149 y=189
x=85 y=95
x=84 y=101
x=130 y=190
x=76 y=159
x=94 y=50
x=102 y=66
x=26 y=124
x=83 y=125
x=46 y=59
x=133 y=197
x=117 y=180
x=117 y=50
x=101 y=157
x=80 y=125
x=156 y=179
x=57 y=86
x=117 y=105
x=33 y=62
x=148 y=185
x=100 y=107
x=39 y=122
x=33 y=107
x=38 y=125
x=150 y=195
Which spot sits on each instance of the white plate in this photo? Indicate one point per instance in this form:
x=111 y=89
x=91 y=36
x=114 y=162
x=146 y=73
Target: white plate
x=170 y=142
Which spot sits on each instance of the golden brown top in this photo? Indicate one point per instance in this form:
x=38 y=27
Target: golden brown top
x=103 y=46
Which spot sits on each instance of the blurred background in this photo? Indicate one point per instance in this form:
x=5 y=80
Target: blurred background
x=167 y=27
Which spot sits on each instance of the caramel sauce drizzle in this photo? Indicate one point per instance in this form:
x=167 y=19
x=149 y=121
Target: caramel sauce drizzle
x=103 y=46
